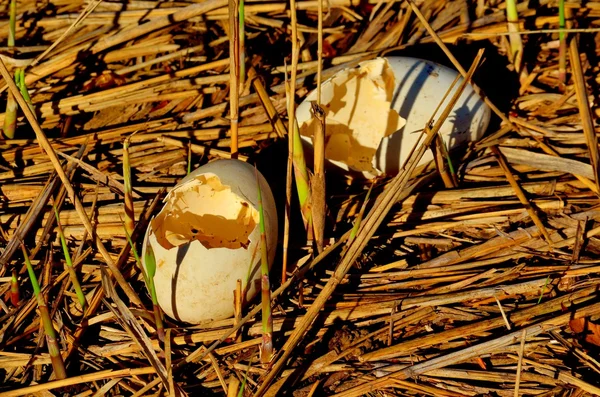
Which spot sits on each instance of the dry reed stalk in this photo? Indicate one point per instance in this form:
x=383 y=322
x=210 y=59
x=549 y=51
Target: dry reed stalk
x=520 y=363
x=520 y=194
x=237 y=308
x=584 y=106
x=33 y=213
x=74 y=380
x=274 y=117
x=317 y=187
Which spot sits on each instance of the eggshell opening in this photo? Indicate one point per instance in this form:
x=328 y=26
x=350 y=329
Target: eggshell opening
x=206 y=237
x=357 y=106
x=207 y=211
x=376 y=112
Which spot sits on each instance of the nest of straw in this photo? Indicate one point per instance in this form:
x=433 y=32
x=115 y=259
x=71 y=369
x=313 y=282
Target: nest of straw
x=486 y=285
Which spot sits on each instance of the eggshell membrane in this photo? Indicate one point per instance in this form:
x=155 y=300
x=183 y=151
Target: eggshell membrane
x=417 y=87
x=207 y=237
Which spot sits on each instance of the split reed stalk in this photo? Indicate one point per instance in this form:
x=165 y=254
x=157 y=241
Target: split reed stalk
x=234 y=74
x=51 y=339
x=266 y=349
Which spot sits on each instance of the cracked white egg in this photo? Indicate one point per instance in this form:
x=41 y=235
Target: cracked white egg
x=376 y=111
x=206 y=237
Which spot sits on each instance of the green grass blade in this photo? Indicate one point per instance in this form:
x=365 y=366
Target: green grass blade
x=69 y=263
x=243 y=386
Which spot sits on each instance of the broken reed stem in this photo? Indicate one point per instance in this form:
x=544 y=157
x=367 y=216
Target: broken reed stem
x=516 y=44
x=562 y=49
x=266 y=349
x=10 y=116
x=237 y=307
x=69 y=263
x=520 y=362
x=274 y=117
x=234 y=74
x=56 y=358
x=318 y=188
x=520 y=194
x=128 y=192
x=47 y=147
x=584 y=106
x=388 y=198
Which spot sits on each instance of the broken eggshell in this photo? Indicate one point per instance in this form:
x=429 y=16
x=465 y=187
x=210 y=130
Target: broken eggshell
x=376 y=112
x=206 y=237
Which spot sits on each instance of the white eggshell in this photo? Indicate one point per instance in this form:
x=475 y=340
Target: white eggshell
x=207 y=237
x=418 y=87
